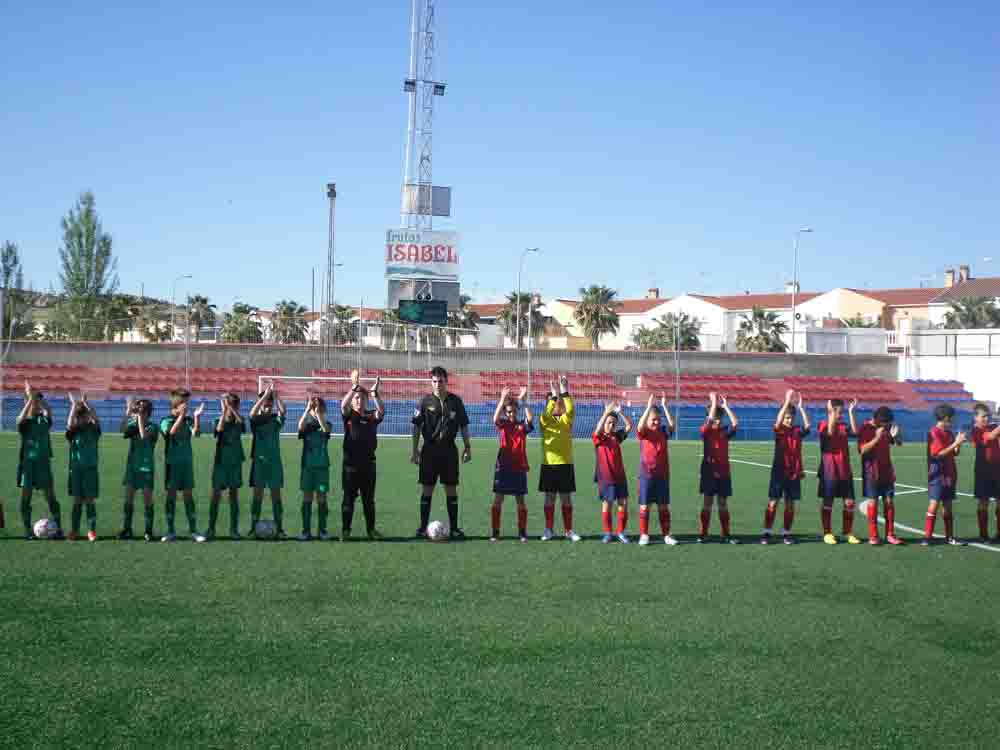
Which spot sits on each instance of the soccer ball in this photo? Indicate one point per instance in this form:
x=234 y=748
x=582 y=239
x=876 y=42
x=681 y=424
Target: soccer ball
x=44 y=528
x=437 y=531
x=265 y=530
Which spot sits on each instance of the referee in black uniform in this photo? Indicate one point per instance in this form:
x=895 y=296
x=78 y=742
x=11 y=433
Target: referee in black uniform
x=439 y=419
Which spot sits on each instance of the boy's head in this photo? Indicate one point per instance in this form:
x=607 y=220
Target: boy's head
x=883 y=416
x=317 y=403
x=982 y=414
x=558 y=408
x=232 y=400
x=837 y=407
x=81 y=411
x=268 y=401
x=610 y=423
x=655 y=420
x=439 y=379
x=359 y=399
x=788 y=419
x=944 y=414
x=715 y=415
x=179 y=396
x=144 y=407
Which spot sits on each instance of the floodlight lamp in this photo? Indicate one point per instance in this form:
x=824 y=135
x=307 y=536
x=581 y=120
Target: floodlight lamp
x=410 y=85
x=438 y=89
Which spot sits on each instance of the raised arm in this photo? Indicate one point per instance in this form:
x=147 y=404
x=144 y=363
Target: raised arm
x=279 y=405
x=223 y=413
x=779 y=420
x=140 y=421
x=197 y=418
x=377 y=398
x=868 y=447
x=713 y=403
x=504 y=393
x=733 y=421
x=850 y=415
x=182 y=411
x=628 y=422
x=71 y=418
x=305 y=415
x=259 y=403
x=952 y=448
x=671 y=425
x=24 y=411
x=646 y=414
x=830 y=422
x=608 y=409
x=806 y=424
x=345 y=402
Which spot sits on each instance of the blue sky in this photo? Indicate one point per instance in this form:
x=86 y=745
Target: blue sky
x=639 y=144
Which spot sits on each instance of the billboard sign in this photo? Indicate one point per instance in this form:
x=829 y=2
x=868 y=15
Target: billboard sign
x=433 y=313
x=421 y=254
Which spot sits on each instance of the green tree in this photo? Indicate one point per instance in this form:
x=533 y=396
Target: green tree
x=114 y=312
x=972 y=312
x=153 y=322
x=241 y=326
x=662 y=334
x=288 y=325
x=87 y=268
x=16 y=322
x=761 y=331
x=462 y=319
x=597 y=313
x=200 y=313
x=857 y=321
x=507 y=319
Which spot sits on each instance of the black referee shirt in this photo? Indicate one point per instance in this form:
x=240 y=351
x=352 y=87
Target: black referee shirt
x=360 y=438
x=440 y=420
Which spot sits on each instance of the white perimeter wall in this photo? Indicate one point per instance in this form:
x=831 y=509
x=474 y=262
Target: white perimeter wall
x=981 y=375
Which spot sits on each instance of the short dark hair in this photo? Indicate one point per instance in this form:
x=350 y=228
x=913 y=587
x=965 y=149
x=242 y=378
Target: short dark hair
x=883 y=414
x=232 y=399
x=943 y=411
x=440 y=373
x=837 y=402
x=145 y=405
x=981 y=408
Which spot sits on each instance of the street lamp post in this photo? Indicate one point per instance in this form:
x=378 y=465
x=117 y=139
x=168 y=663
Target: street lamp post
x=517 y=324
x=173 y=302
x=795 y=276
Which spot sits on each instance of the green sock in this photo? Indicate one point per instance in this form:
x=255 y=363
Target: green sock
x=213 y=515
x=128 y=509
x=192 y=516
x=171 y=513
x=279 y=513
x=55 y=511
x=307 y=512
x=148 y=514
x=92 y=517
x=26 y=513
x=76 y=514
x=234 y=517
x=324 y=509
x=255 y=511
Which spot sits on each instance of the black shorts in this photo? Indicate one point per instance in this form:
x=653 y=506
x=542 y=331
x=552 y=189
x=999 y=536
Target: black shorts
x=558 y=478
x=358 y=481
x=987 y=488
x=439 y=465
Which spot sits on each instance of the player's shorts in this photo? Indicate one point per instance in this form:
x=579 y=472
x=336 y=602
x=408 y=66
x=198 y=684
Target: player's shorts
x=35 y=474
x=612 y=492
x=267 y=475
x=510 y=482
x=83 y=482
x=439 y=465
x=987 y=488
x=713 y=486
x=784 y=489
x=138 y=480
x=227 y=476
x=874 y=490
x=654 y=490
x=828 y=489
x=941 y=491
x=179 y=477
x=557 y=478
x=315 y=480
x=358 y=481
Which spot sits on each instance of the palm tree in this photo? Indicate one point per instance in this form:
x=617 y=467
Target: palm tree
x=288 y=325
x=972 y=312
x=760 y=331
x=200 y=313
x=597 y=312
x=507 y=319
x=462 y=319
x=241 y=326
x=684 y=327
x=153 y=322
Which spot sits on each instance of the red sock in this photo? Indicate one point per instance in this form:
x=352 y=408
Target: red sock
x=550 y=514
x=949 y=523
x=983 y=516
x=929 y=520
x=873 y=520
x=606 y=521
x=724 y=522
x=769 y=514
x=848 y=518
x=789 y=516
x=890 y=518
x=567 y=514
x=827 y=514
x=706 y=519
x=495 y=517
x=644 y=521
x=665 y=519
x=622 y=518
x=522 y=519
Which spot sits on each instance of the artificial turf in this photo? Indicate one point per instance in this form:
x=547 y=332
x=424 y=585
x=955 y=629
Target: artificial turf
x=403 y=643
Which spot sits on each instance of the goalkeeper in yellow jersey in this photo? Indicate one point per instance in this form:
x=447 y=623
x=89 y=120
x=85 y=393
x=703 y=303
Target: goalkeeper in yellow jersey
x=557 y=476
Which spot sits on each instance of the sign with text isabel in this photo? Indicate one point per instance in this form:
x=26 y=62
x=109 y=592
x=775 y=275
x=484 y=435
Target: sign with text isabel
x=415 y=253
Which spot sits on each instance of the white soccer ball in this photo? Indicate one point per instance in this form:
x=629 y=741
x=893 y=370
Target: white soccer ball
x=44 y=528
x=437 y=531
x=265 y=530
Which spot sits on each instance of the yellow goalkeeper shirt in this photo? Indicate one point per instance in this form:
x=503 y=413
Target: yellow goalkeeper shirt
x=557 y=433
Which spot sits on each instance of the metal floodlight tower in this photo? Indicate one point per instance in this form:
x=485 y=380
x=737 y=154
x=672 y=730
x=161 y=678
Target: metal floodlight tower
x=419 y=86
x=327 y=331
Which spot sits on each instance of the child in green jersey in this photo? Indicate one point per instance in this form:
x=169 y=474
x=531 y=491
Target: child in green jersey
x=227 y=471
x=34 y=466
x=314 y=432
x=139 y=429
x=83 y=431
x=267 y=418
x=178 y=429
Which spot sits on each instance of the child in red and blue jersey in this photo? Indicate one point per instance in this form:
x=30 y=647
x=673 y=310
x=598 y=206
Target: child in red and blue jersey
x=986 y=438
x=875 y=440
x=942 y=475
x=786 y=469
x=654 y=468
x=716 y=476
x=834 y=473
x=510 y=477
x=609 y=470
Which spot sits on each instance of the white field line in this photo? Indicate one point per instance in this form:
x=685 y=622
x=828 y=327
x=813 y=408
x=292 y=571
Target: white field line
x=881 y=520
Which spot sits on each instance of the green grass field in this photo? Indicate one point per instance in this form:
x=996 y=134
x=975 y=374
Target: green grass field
x=404 y=644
